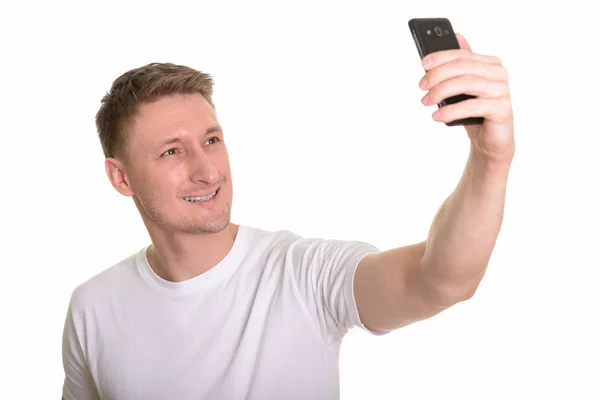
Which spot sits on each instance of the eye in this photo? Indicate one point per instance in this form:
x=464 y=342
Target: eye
x=169 y=152
x=213 y=140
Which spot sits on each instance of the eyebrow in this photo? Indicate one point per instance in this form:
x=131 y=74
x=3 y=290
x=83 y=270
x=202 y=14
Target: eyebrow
x=175 y=139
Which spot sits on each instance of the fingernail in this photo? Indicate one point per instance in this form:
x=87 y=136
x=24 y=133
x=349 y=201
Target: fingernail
x=423 y=83
x=427 y=62
x=436 y=114
x=425 y=99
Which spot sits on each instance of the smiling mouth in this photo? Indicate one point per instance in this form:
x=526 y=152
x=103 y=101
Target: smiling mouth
x=199 y=199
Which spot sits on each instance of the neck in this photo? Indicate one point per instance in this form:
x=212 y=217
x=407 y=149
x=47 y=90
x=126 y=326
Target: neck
x=177 y=258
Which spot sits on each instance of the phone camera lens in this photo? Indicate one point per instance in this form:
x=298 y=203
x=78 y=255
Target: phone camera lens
x=438 y=31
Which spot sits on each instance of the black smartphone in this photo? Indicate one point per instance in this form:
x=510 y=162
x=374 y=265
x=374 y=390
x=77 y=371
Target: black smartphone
x=436 y=34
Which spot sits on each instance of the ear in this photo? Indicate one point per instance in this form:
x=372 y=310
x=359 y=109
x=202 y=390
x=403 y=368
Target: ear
x=462 y=42
x=115 y=170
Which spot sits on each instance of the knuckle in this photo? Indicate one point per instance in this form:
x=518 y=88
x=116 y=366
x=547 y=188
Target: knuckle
x=507 y=105
x=473 y=80
x=464 y=63
x=503 y=72
x=500 y=89
x=504 y=111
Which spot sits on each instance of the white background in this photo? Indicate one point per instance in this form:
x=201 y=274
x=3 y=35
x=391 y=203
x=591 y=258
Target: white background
x=327 y=137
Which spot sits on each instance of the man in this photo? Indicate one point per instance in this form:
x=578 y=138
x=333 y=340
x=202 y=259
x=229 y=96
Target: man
x=215 y=310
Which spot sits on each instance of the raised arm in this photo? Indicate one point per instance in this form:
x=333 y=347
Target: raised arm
x=400 y=286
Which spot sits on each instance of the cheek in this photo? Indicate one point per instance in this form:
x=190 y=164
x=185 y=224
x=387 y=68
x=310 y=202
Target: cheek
x=170 y=177
x=158 y=183
x=221 y=163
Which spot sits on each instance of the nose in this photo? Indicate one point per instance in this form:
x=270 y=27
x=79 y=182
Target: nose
x=202 y=169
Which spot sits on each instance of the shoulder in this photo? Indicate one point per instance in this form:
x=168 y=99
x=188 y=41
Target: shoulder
x=305 y=248
x=115 y=278
x=264 y=239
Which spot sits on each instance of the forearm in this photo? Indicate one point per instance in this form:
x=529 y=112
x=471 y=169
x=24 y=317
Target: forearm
x=464 y=231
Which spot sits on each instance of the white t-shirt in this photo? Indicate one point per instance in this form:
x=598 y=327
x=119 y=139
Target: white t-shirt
x=264 y=323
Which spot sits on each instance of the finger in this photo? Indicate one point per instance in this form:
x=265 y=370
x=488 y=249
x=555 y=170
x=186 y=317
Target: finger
x=465 y=84
x=463 y=66
x=497 y=109
x=441 y=57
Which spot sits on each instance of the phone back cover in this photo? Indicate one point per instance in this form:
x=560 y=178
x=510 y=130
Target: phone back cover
x=430 y=42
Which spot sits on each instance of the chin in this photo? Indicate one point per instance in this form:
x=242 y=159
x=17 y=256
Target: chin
x=206 y=226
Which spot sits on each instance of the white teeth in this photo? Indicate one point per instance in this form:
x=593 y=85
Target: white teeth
x=201 y=198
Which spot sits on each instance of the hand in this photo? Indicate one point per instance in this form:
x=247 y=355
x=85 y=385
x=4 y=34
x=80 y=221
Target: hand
x=453 y=72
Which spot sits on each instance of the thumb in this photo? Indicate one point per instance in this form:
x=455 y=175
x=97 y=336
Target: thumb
x=463 y=42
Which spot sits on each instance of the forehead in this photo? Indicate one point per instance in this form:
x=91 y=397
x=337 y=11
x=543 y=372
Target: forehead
x=180 y=114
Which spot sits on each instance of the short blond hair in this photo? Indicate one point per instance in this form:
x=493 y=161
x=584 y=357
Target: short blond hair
x=141 y=85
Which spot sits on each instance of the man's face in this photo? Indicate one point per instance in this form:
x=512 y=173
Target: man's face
x=177 y=161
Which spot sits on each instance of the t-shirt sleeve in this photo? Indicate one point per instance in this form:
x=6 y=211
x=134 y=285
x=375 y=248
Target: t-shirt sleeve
x=324 y=276
x=78 y=383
